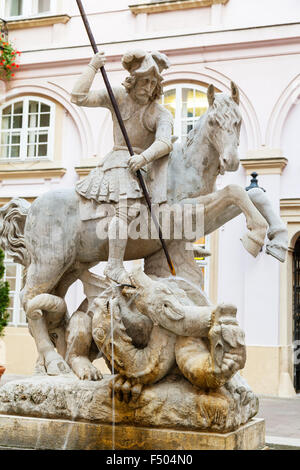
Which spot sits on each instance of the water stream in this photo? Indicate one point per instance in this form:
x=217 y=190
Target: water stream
x=113 y=385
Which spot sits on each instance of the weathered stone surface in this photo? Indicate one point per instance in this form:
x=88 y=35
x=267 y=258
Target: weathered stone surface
x=35 y=433
x=171 y=403
x=158 y=333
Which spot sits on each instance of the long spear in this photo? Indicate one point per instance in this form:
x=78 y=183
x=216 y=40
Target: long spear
x=125 y=135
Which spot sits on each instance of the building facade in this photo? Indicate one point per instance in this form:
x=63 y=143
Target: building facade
x=47 y=142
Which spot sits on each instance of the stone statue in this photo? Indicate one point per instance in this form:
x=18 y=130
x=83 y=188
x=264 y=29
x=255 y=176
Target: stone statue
x=157 y=333
x=204 y=341
x=149 y=126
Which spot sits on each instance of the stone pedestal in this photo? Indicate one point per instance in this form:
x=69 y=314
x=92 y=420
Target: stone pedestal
x=64 y=412
x=171 y=403
x=37 y=433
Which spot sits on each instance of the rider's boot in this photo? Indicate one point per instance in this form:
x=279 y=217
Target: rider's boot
x=117 y=234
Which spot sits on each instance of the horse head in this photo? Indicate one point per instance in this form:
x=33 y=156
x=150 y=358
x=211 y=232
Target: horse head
x=223 y=122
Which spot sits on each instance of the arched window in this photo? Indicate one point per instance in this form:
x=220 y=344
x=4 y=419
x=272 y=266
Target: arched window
x=187 y=102
x=27 y=129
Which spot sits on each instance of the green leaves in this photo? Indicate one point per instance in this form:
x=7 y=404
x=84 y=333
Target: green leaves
x=4 y=296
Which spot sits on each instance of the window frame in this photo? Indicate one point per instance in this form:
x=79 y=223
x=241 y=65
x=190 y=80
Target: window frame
x=27 y=10
x=178 y=87
x=16 y=314
x=205 y=263
x=25 y=129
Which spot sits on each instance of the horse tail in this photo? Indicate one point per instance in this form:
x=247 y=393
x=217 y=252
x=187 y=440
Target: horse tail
x=12 y=223
x=47 y=302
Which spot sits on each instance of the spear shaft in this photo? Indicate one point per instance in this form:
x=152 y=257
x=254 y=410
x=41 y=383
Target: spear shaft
x=125 y=135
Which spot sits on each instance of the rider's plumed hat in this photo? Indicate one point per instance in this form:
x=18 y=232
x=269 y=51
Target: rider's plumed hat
x=140 y=63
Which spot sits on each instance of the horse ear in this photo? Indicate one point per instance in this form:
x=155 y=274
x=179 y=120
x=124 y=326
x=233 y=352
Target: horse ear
x=211 y=95
x=235 y=94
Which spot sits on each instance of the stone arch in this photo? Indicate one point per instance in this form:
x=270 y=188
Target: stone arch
x=222 y=83
x=294 y=237
x=289 y=96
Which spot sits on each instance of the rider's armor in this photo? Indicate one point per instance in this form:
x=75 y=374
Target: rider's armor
x=111 y=180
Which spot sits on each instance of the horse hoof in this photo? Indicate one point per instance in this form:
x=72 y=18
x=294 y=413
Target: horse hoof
x=58 y=367
x=251 y=245
x=279 y=252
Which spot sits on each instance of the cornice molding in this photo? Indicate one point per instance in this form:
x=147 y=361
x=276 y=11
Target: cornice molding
x=290 y=209
x=171 y=5
x=57 y=172
x=37 y=22
x=264 y=166
x=62 y=53
x=290 y=203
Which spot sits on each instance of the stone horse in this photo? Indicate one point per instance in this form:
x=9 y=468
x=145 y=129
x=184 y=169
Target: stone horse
x=57 y=247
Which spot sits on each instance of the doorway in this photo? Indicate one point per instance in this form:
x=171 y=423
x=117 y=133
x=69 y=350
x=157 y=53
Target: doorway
x=296 y=310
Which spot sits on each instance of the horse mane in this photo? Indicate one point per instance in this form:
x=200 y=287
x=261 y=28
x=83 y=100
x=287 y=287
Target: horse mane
x=224 y=111
x=191 y=134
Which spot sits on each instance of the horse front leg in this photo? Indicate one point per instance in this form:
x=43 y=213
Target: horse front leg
x=215 y=204
x=277 y=233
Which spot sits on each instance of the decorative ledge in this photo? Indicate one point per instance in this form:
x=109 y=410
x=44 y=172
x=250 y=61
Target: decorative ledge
x=293 y=202
x=290 y=208
x=169 y=5
x=39 y=172
x=37 y=21
x=264 y=166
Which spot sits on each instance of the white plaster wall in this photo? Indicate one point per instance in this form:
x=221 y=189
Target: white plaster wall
x=290 y=180
x=224 y=44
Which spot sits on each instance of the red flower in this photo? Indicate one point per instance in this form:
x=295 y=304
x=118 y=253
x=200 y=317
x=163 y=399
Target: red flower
x=17 y=66
x=12 y=74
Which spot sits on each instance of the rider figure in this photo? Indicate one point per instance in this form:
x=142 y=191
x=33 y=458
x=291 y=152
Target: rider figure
x=149 y=127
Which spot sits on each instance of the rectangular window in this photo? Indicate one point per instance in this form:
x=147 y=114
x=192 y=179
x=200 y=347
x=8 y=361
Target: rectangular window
x=14 y=275
x=26 y=8
x=14 y=8
x=43 y=6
